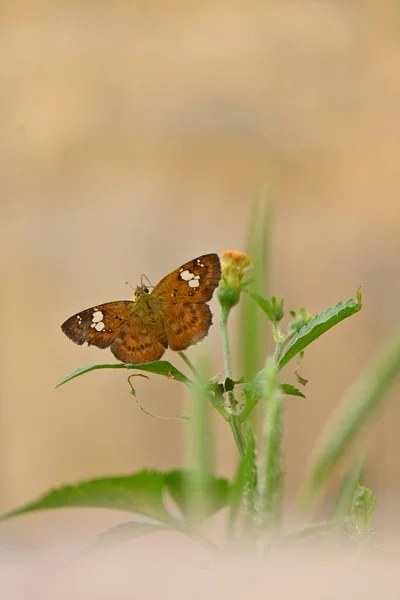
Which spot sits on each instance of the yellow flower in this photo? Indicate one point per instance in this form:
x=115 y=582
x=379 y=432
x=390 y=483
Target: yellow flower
x=234 y=264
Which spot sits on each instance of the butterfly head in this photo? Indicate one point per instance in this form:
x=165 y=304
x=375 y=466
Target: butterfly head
x=141 y=290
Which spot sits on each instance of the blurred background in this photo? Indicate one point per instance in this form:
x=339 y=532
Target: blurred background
x=134 y=137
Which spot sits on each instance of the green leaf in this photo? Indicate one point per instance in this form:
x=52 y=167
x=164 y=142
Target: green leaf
x=299 y=320
x=342 y=506
x=363 y=508
x=160 y=367
x=141 y=493
x=256 y=387
x=178 y=482
x=291 y=390
x=272 y=307
x=244 y=486
x=229 y=384
x=300 y=379
x=317 y=326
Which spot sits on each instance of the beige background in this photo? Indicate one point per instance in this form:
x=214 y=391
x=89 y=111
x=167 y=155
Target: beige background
x=133 y=137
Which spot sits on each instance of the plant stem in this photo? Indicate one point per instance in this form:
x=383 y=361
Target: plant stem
x=233 y=418
x=189 y=364
x=271 y=463
x=221 y=409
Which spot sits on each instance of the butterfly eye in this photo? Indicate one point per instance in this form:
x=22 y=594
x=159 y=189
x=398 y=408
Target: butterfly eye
x=145 y=289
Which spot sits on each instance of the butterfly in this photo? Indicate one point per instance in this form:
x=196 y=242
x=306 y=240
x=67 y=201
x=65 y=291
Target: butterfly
x=174 y=315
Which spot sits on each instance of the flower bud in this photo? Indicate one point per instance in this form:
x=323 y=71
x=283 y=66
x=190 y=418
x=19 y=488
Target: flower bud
x=233 y=264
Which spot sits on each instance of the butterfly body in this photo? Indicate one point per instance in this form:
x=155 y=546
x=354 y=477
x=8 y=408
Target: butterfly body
x=174 y=315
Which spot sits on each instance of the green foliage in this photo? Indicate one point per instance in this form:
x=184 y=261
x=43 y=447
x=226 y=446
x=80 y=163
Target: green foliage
x=253 y=404
x=363 y=509
x=316 y=327
x=142 y=493
x=178 y=483
x=160 y=367
x=342 y=504
x=272 y=307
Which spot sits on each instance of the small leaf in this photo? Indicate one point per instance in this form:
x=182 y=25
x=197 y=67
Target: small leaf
x=140 y=493
x=300 y=379
x=291 y=390
x=177 y=483
x=363 y=508
x=160 y=367
x=229 y=384
x=299 y=320
x=256 y=387
x=272 y=307
x=343 y=501
x=317 y=326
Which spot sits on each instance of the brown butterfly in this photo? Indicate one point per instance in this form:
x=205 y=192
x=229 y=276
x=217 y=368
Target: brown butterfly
x=174 y=314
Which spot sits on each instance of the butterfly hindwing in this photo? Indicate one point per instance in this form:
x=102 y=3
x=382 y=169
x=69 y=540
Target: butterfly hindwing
x=136 y=344
x=195 y=281
x=186 y=323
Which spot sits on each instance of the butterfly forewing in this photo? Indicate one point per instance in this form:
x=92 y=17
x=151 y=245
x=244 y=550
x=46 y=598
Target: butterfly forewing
x=195 y=281
x=99 y=325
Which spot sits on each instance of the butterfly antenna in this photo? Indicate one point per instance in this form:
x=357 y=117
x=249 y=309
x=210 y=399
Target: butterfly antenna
x=144 y=277
x=129 y=285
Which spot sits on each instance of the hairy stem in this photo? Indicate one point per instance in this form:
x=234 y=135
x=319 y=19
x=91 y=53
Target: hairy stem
x=221 y=409
x=233 y=418
x=189 y=363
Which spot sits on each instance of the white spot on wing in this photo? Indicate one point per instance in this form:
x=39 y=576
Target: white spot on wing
x=97 y=316
x=194 y=283
x=99 y=326
x=186 y=275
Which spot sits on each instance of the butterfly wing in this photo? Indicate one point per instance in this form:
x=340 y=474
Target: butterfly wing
x=136 y=344
x=99 y=325
x=186 y=323
x=195 y=281
x=116 y=325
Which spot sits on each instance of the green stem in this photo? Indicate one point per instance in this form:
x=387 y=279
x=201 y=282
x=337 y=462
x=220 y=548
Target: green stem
x=271 y=460
x=233 y=418
x=196 y=374
x=189 y=364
